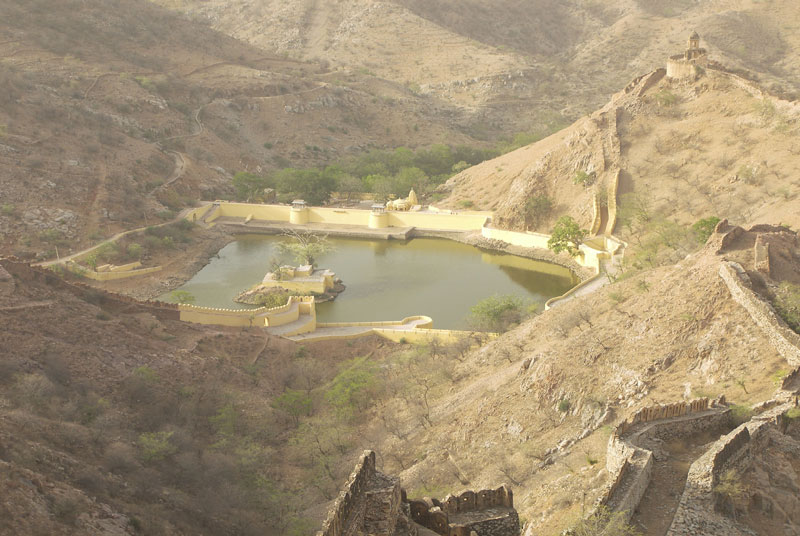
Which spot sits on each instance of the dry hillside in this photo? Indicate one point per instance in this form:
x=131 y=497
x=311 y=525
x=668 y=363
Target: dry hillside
x=511 y=61
x=684 y=150
x=533 y=409
x=114 y=115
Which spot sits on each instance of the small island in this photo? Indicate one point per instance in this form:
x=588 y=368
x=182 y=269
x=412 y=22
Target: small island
x=285 y=281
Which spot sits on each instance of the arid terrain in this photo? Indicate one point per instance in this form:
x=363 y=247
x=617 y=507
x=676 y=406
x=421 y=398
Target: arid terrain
x=117 y=418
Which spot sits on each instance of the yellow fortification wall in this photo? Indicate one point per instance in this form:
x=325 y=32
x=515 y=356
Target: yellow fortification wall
x=442 y=221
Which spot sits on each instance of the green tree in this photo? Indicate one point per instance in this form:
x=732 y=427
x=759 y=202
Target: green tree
x=567 y=236
x=249 y=186
x=182 y=296
x=312 y=185
x=537 y=208
x=294 y=403
x=409 y=178
x=498 y=313
x=704 y=228
x=304 y=248
x=353 y=388
x=156 y=446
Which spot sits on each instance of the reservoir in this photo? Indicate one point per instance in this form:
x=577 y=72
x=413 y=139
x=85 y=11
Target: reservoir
x=388 y=279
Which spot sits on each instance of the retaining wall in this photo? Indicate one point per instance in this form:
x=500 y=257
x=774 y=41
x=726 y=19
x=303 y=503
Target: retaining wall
x=782 y=338
x=589 y=256
x=112 y=273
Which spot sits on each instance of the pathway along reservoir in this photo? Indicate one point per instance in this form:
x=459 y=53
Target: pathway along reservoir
x=388 y=279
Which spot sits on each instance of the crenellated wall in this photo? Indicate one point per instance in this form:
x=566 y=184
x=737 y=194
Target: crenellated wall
x=448 y=517
x=261 y=317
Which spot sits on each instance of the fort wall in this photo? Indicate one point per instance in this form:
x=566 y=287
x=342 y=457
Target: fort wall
x=631 y=466
x=348 y=509
x=782 y=338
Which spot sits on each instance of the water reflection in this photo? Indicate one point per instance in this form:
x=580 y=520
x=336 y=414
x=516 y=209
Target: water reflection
x=388 y=279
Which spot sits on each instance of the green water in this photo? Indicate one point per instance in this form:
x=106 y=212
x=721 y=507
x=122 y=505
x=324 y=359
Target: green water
x=389 y=279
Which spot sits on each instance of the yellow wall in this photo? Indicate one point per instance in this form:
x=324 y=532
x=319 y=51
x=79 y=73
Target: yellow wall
x=276 y=316
x=471 y=221
x=259 y=212
x=439 y=222
x=313 y=287
x=590 y=254
x=340 y=216
x=613 y=189
x=527 y=239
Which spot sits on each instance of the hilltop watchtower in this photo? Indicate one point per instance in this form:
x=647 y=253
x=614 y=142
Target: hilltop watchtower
x=686 y=65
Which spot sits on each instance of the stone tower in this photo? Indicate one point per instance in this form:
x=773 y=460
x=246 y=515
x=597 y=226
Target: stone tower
x=694 y=41
x=694 y=51
x=690 y=63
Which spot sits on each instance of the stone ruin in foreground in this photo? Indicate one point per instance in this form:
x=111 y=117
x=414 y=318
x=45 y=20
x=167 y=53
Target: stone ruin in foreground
x=375 y=504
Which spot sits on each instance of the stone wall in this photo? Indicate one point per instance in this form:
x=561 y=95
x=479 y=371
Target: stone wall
x=630 y=465
x=344 y=511
x=654 y=413
x=782 y=338
x=492 y=509
x=761 y=255
x=696 y=514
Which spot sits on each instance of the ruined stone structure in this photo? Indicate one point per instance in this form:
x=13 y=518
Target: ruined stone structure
x=373 y=503
x=488 y=512
x=686 y=65
x=6 y=282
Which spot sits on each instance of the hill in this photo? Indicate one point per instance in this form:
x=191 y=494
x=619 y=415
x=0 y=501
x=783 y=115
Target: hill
x=119 y=114
x=680 y=150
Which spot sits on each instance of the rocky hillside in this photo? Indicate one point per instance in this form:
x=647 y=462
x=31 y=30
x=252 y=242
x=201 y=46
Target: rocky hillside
x=114 y=115
x=508 y=60
x=681 y=151
x=534 y=408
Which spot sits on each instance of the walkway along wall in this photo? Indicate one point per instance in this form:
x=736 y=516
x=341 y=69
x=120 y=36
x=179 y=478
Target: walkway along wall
x=696 y=514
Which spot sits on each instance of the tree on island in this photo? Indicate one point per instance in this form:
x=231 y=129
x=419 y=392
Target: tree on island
x=305 y=248
x=567 y=236
x=182 y=296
